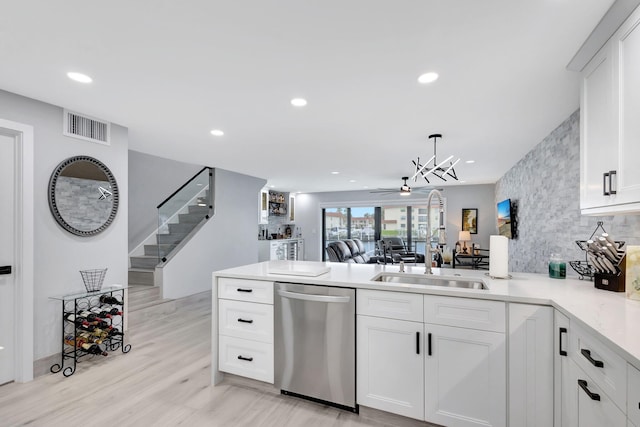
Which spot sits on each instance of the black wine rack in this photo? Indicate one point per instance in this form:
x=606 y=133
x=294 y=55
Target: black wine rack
x=71 y=353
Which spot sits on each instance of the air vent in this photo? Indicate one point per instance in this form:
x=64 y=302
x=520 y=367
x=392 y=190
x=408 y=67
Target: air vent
x=86 y=128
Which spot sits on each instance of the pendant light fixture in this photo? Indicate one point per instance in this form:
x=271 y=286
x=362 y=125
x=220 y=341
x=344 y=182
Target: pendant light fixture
x=441 y=170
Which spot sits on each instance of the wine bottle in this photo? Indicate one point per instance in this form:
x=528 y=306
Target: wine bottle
x=87 y=315
x=115 y=332
x=101 y=313
x=89 y=328
x=108 y=299
x=93 y=349
x=77 y=320
x=113 y=311
x=90 y=337
x=100 y=324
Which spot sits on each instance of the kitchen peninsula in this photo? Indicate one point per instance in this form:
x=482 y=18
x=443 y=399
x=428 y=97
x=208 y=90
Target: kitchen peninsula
x=529 y=350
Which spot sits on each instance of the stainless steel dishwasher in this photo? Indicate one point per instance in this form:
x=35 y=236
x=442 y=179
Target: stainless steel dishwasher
x=315 y=353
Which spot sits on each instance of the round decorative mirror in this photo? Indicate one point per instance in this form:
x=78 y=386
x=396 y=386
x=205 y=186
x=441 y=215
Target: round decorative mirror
x=83 y=195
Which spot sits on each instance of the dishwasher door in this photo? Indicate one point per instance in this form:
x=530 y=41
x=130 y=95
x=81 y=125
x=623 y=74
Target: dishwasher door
x=315 y=354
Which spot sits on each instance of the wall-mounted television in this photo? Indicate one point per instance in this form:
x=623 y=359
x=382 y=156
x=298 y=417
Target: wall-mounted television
x=505 y=219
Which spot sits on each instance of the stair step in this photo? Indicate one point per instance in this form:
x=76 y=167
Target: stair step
x=199 y=209
x=144 y=261
x=170 y=238
x=181 y=228
x=190 y=218
x=158 y=250
x=141 y=277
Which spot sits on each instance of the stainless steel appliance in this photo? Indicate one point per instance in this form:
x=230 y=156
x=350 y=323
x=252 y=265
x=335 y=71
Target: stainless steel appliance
x=315 y=354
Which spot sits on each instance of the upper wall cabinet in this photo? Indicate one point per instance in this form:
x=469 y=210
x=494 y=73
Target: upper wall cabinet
x=610 y=129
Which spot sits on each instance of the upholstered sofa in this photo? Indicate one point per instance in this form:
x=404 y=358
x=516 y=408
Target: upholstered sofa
x=349 y=250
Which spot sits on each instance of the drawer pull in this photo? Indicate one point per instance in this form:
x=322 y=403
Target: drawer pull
x=245 y=290
x=417 y=342
x=587 y=354
x=592 y=395
x=561 y=351
x=429 y=344
x=250 y=359
x=241 y=320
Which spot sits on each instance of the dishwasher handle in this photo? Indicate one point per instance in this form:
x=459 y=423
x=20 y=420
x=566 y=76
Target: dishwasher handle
x=311 y=297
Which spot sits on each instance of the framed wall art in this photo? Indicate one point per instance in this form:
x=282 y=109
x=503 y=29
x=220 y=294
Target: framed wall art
x=470 y=220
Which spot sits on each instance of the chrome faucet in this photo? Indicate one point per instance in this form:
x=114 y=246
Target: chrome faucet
x=441 y=238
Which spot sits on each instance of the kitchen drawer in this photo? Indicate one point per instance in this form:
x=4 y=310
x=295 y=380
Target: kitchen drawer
x=483 y=315
x=246 y=358
x=594 y=407
x=246 y=320
x=610 y=374
x=391 y=305
x=245 y=290
x=633 y=397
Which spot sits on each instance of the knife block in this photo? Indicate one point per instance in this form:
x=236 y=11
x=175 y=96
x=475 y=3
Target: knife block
x=612 y=282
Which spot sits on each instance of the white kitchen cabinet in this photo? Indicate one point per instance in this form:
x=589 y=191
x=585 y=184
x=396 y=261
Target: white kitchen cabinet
x=530 y=365
x=465 y=377
x=245 y=328
x=281 y=249
x=633 y=396
x=465 y=361
x=594 y=407
x=390 y=365
x=610 y=131
x=564 y=406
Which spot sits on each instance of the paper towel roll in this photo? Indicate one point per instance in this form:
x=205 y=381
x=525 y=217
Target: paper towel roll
x=499 y=256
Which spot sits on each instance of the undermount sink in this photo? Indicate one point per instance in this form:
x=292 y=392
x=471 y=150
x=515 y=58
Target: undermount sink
x=415 y=279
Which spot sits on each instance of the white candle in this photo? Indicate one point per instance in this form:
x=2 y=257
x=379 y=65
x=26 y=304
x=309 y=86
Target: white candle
x=499 y=256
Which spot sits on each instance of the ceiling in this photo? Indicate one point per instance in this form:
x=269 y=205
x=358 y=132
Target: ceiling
x=171 y=71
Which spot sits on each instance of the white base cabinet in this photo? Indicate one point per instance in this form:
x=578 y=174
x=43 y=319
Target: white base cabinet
x=530 y=365
x=465 y=377
x=390 y=365
x=564 y=407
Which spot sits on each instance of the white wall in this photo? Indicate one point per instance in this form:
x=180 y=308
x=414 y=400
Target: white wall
x=481 y=197
x=59 y=255
x=151 y=180
x=227 y=240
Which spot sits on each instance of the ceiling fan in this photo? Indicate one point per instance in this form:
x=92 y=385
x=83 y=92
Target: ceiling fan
x=404 y=189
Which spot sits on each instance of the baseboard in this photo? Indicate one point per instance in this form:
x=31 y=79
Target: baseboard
x=43 y=366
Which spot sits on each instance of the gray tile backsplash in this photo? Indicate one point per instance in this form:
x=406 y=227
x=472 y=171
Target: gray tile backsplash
x=546 y=186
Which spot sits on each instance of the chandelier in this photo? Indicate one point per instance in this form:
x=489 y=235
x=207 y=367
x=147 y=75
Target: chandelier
x=440 y=170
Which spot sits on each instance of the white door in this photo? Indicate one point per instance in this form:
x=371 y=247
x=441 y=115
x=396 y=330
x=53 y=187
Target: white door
x=465 y=377
x=7 y=206
x=390 y=365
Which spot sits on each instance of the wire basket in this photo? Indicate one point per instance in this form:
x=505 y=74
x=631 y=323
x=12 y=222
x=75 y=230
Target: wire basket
x=93 y=279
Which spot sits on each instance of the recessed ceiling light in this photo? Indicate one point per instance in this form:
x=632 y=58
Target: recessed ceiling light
x=298 y=102
x=217 y=132
x=79 y=77
x=366 y=186
x=463 y=182
x=428 y=77
x=470 y=161
x=352 y=180
x=272 y=186
x=335 y=173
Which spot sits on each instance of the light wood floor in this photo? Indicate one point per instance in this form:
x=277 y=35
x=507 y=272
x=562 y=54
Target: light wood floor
x=164 y=381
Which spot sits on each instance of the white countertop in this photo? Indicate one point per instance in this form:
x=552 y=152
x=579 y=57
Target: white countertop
x=610 y=314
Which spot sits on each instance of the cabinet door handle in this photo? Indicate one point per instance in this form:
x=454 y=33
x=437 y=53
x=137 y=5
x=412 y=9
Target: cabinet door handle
x=561 y=351
x=250 y=359
x=592 y=395
x=5 y=269
x=429 y=343
x=417 y=342
x=241 y=320
x=611 y=190
x=587 y=354
x=245 y=290
x=604 y=184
